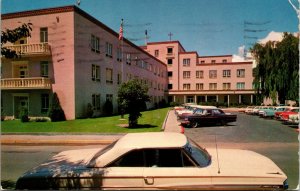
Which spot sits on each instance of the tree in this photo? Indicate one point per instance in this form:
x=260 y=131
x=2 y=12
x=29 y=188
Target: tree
x=56 y=113
x=277 y=69
x=132 y=97
x=13 y=36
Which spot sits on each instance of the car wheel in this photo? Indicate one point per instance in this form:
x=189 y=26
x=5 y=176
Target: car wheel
x=194 y=125
x=223 y=122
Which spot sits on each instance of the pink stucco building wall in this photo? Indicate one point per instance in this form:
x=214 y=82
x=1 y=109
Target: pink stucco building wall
x=83 y=64
x=194 y=78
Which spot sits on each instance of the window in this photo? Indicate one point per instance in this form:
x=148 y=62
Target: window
x=95 y=44
x=156 y=53
x=119 y=54
x=170 y=86
x=128 y=59
x=199 y=74
x=186 y=74
x=170 y=74
x=95 y=72
x=190 y=99
x=226 y=86
x=224 y=60
x=213 y=61
x=44 y=35
x=186 y=86
x=108 y=49
x=170 y=61
x=240 y=73
x=186 y=62
x=212 y=73
x=23 y=71
x=96 y=102
x=44 y=69
x=212 y=86
x=119 y=78
x=199 y=86
x=44 y=103
x=109 y=76
x=240 y=85
x=169 y=50
x=226 y=73
x=109 y=97
x=202 y=61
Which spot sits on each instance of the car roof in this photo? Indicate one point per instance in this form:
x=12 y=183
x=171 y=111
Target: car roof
x=133 y=141
x=146 y=140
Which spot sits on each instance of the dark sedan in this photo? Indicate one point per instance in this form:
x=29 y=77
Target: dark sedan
x=208 y=116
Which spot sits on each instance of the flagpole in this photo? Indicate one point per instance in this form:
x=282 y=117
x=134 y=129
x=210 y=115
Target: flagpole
x=122 y=50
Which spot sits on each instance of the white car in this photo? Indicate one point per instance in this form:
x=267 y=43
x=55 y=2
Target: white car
x=159 y=160
x=293 y=119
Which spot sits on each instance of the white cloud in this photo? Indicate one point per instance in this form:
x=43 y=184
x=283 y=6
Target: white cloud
x=272 y=36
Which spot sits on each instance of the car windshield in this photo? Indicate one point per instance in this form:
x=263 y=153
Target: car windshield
x=201 y=156
x=101 y=152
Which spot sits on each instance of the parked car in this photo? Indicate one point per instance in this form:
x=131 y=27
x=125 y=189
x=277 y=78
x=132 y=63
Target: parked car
x=172 y=162
x=256 y=109
x=277 y=113
x=284 y=116
x=293 y=119
x=194 y=110
x=208 y=116
x=270 y=113
x=262 y=111
x=249 y=109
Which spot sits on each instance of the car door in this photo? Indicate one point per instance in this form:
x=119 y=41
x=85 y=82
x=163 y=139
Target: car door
x=172 y=169
x=125 y=173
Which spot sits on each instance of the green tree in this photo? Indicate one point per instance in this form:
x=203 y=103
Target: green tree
x=132 y=97
x=56 y=113
x=13 y=36
x=277 y=69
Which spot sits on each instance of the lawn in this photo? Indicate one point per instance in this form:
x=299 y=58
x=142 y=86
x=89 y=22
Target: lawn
x=151 y=121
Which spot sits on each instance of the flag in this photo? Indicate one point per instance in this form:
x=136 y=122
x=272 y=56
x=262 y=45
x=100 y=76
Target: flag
x=121 y=31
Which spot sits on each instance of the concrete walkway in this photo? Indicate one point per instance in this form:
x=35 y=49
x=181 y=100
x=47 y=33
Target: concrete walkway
x=170 y=125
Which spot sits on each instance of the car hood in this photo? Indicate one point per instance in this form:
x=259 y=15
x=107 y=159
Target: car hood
x=234 y=162
x=68 y=169
x=65 y=161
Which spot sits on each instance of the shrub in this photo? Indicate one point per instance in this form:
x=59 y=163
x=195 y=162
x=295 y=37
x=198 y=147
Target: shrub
x=108 y=108
x=23 y=115
x=89 y=111
x=56 y=113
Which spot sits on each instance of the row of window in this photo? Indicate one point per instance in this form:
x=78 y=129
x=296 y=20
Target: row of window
x=109 y=78
x=240 y=73
x=212 y=86
x=95 y=47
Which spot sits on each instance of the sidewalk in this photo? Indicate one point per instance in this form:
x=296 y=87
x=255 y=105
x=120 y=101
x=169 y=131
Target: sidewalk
x=170 y=125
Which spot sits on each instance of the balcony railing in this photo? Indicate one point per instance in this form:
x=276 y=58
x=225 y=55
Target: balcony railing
x=26 y=83
x=27 y=49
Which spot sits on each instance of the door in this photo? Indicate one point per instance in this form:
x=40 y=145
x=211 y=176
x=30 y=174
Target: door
x=172 y=169
x=125 y=173
x=20 y=102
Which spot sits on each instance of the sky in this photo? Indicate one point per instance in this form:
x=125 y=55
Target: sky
x=210 y=27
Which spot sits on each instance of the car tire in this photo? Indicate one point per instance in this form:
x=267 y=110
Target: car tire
x=194 y=125
x=223 y=123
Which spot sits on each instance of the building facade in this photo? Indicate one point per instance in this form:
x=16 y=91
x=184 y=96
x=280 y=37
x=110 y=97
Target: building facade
x=201 y=79
x=74 y=55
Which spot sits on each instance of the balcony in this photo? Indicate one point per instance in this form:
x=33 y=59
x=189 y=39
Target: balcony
x=25 y=83
x=31 y=49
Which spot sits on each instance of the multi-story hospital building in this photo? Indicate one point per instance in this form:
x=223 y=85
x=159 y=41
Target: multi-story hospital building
x=83 y=61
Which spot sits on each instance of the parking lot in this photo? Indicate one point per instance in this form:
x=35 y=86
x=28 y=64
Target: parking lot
x=269 y=137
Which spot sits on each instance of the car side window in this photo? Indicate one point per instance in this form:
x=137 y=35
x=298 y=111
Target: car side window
x=132 y=159
x=167 y=158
